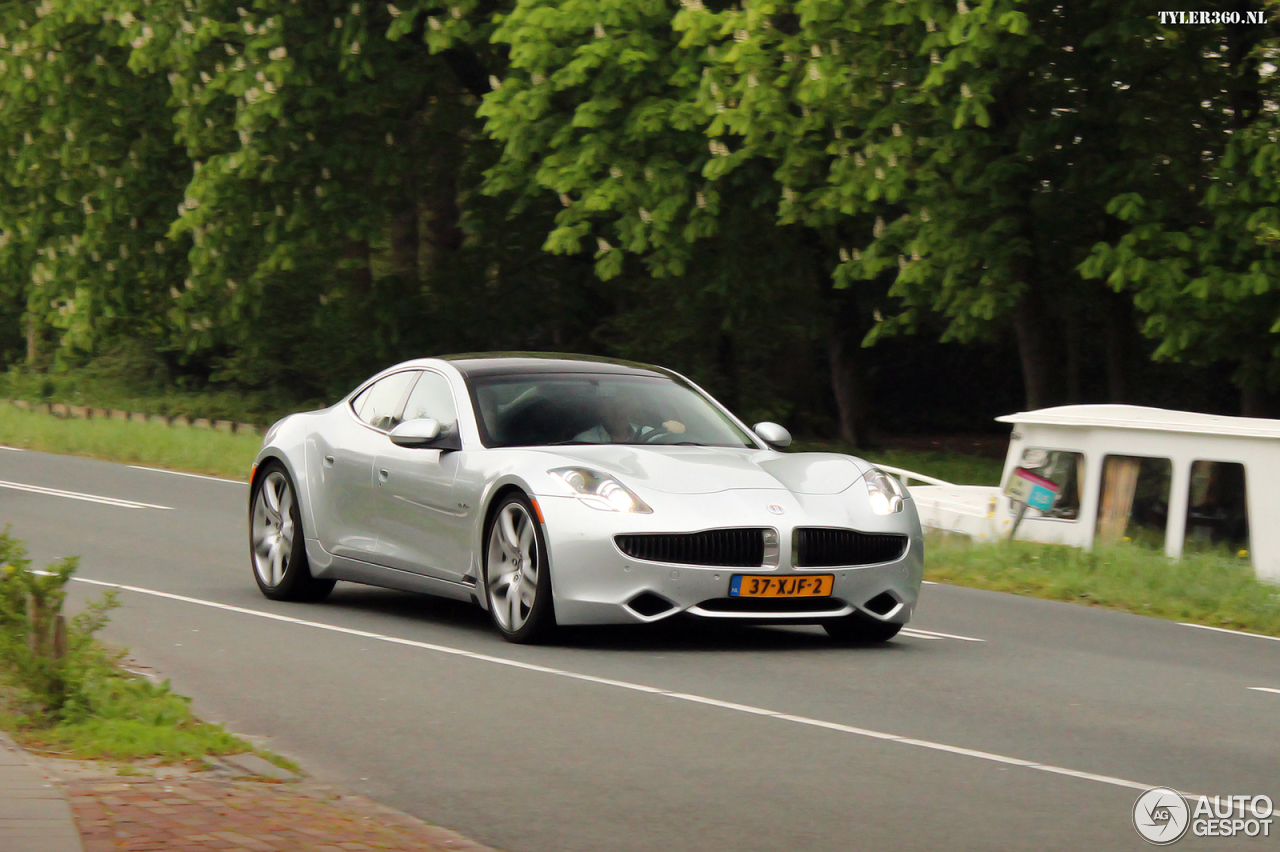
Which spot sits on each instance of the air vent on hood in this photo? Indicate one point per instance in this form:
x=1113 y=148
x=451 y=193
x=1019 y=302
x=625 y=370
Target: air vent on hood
x=818 y=547
x=742 y=548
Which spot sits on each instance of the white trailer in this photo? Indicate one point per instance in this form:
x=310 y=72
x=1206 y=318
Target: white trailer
x=1076 y=474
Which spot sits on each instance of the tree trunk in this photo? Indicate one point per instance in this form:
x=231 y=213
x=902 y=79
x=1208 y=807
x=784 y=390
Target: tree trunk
x=358 y=274
x=727 y=356
x=404 y=239
x=1121 y=332
x=1256 y=399
x=33 y=340
x=844 y=356
x=1075 y=391
x=443 y=234
x=1035 y=350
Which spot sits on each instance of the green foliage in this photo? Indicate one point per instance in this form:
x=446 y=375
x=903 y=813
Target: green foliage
x=90 y=173
x=1201 y=588
x=53 y=661
x=133 y=718
x=71 y=692
x=149 y=444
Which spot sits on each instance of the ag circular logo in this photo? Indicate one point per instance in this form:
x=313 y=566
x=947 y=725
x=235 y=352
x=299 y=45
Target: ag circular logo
x=775 y=508
x=1161 y=816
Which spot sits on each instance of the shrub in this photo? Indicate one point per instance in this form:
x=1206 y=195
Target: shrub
x=52 y=661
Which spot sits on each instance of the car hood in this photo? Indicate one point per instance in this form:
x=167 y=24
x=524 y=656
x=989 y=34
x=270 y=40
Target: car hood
x=706 y=470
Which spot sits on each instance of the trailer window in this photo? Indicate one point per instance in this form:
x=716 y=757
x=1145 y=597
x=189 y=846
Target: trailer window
x=1133 y=504
x=1065 y=470
x=1217 y=510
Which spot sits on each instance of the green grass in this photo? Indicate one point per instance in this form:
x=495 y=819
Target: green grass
x=952 y=467
x=151 y=444
x=1212 y=589
x=131 y=719
x=960 y=468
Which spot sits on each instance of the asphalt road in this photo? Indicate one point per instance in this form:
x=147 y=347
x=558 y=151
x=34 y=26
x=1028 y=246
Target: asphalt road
x=676 y=737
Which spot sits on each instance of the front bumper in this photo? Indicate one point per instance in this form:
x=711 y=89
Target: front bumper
x=593 y=582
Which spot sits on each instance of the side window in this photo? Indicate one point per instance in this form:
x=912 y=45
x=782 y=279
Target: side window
x=377 y=404
x=432 y=398
x=1048 y=481
x=1217 y=511
x=1134 y=501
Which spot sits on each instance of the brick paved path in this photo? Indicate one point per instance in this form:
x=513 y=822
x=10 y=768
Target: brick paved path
x=193 y=815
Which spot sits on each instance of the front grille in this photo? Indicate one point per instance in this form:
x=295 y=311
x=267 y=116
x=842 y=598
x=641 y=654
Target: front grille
x=766 y=605
x=818 y=547
x=730 y=548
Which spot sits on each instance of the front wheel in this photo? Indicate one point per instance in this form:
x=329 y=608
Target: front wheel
x=277 y=548
x=517 y=579
x=861 y=628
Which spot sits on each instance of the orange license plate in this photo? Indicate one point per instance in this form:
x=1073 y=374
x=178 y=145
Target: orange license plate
x=812 y=586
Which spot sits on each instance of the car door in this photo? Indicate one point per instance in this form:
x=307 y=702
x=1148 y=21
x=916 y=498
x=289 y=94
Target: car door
x=422 y=525
x=340 y=466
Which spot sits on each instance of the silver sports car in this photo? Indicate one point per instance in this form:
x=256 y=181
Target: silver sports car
x=557 y=490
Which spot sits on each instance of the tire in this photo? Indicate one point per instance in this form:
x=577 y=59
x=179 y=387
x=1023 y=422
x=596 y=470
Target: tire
x=514 y=549
x=277 y=547
x=861 y=629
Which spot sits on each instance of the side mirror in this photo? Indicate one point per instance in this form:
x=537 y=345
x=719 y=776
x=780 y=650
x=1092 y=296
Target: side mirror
x=424 y=433
x=772 y=434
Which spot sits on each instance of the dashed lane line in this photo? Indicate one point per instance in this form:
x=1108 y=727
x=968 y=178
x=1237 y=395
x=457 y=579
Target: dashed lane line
x=642 y=688
x=1225 y=630
x=76 y=495
x=1265 y=689
x=184 y=473
x=932 y=634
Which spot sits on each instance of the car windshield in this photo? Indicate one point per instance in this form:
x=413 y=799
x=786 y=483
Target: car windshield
x=540 y=410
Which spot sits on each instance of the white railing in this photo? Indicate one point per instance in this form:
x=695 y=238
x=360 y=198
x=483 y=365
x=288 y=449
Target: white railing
x=908 y=476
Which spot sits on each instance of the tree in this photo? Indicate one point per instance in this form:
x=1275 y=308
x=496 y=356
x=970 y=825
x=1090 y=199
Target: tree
x=90 y=178
x=1202 y=264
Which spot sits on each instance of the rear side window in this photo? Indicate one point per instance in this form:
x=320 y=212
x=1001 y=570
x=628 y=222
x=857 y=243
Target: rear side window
x=377 y=404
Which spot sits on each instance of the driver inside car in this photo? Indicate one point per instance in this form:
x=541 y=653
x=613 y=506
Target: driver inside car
x=622 y=422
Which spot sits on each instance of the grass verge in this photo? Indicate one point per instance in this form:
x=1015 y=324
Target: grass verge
x=151 y=444
x=62 y=692
x=131 y=719
x=960 y=468
x=1201 y=588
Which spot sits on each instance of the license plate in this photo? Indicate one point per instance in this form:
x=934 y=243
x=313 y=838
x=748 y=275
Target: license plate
x=813 y=586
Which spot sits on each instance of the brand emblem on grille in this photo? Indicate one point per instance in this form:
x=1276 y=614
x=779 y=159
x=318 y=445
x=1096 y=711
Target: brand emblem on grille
x=775 y=508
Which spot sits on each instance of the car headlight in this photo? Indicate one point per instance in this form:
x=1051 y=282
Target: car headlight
x=600 y=491
x=885 y=492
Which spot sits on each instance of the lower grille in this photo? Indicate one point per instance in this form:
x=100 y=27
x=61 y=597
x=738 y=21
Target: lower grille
x=742 y=548
x=818 y=547
x=762 y=605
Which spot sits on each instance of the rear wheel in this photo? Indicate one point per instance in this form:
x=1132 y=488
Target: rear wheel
x=861 y=628
x=277 y=548
x=517 y=579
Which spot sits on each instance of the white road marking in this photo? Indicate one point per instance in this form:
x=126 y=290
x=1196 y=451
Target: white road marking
x=930 y=583
x=12 y=449
x=1225 y=630
x=931 y=634
x=637 y=687
x=1265 y=689
x=76 y=495
x=182 y=473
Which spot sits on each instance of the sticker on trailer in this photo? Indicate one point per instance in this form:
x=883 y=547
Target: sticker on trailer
x=1032 y=489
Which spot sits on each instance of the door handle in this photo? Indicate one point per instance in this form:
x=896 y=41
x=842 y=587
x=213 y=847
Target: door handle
x=328 y=461
x=382 y=476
